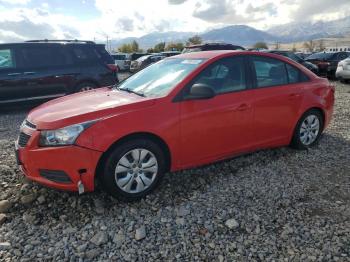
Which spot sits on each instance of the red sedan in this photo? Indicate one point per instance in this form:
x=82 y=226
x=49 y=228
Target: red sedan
x=185 y=111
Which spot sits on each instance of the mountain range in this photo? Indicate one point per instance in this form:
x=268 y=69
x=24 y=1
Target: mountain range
x=246 y=36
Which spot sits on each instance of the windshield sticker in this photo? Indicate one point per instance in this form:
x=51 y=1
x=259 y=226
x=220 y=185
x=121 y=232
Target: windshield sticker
x=191 y=61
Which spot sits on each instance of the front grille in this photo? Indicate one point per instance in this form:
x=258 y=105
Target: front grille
x=58 y=176
x=23 y=139
x=29 y=124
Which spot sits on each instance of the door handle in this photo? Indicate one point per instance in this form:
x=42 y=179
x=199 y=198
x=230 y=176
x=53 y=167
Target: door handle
x=13 y=74
x=243 y=107
x=29 y=73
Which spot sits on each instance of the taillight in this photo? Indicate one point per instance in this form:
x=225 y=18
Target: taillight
x=323 y=64
x=113 y=68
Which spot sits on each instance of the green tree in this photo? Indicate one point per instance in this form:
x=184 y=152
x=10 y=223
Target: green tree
x=159 y=47
x=125 y=48
x=310 y=45
x=135 y=46
x=260 y=45
x=194 y=40
x=174 y=47
x=130 y=47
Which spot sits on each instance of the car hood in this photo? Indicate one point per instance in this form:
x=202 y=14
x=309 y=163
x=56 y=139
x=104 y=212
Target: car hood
x=85 y=106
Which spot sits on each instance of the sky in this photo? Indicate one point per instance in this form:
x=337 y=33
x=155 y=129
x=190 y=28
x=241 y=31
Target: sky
x=96 y=19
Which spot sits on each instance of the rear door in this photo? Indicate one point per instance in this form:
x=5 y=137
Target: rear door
x=46 y=70
x=10 y=75
x=278 y=95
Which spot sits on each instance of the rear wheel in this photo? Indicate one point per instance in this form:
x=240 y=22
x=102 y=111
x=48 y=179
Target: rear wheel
x=85 y=86
x=308 y=130
x=133 y=169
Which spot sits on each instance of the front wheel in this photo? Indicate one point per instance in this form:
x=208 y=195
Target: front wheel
x=308 y=130
x=133 y=169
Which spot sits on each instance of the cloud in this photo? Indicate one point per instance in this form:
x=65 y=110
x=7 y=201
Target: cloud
x=176 y=2
x=309 y=9
x=26 y=19
x=15 y=2
x=221 y=12
x=125 y=24
x=268 y=8
x=27 y=29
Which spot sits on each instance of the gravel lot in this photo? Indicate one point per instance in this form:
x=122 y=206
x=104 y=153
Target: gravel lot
x=273 y=205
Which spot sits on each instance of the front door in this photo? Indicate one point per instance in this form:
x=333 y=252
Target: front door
x=215 y=128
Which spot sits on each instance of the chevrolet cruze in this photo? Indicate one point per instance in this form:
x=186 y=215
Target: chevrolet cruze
x=185 y=111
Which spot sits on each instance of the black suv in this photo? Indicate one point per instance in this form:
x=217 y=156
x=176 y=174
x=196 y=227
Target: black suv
x=297 y=59
x=211 y=46
x=44 y=69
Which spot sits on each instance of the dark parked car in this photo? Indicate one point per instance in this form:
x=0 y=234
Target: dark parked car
x=327 y=63
x=170 y=53
x=296 y=58
x=40 y=70
x=211 y=46
x=135 y=56
x=145 y=61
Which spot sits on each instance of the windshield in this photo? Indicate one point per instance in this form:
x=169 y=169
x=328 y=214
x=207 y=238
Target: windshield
x=160 y=78
x=320 y=56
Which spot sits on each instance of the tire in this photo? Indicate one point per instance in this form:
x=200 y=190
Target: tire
x=308 y=130
x=85 y=86
x=127 y=179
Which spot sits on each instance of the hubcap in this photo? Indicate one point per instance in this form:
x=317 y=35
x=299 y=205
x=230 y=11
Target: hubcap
x=136 y=170
x=309 y=129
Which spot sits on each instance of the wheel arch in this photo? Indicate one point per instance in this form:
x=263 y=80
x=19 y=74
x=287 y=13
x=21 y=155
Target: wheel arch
x=139 y=135
x=319 y=109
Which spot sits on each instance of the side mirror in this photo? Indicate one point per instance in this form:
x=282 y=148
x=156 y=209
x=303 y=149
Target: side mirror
x=200 y=91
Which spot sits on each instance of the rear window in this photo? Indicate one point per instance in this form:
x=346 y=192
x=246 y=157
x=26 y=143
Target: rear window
x=119 y=57
x=321 y=56
x=6 y=59
x=103 y=54
x=92 y=53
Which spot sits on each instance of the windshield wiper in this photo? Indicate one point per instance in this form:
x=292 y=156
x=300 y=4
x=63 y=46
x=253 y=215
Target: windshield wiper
x=131 y=91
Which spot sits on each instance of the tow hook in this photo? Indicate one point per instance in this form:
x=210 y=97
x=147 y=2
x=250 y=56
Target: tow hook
x=81 y=188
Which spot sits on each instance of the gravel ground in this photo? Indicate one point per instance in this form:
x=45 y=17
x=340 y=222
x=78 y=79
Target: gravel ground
x=273 y=205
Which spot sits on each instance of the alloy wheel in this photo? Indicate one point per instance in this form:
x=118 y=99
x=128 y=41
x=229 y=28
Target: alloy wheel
x=309 y=130
x=136 y=170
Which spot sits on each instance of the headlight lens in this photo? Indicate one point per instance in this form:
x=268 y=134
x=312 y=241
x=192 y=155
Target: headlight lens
x=63 y=136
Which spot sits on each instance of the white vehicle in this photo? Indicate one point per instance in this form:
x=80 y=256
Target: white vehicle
x=122 y=60
x=343 y=70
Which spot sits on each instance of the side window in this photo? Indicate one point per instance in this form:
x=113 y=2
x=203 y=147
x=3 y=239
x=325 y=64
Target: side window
x=42 y=56
x=269 y=72
x=85 y=54
x=295 y=75
x=225 y=75
x=6 y=59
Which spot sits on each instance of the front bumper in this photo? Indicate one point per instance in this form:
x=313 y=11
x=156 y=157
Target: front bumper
x=78 y=163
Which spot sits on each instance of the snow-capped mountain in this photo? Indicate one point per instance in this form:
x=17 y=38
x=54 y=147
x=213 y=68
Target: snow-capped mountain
x=247 y=36
x=311 y=30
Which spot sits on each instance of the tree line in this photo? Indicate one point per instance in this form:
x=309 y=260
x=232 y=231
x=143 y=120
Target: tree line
x=133 y=47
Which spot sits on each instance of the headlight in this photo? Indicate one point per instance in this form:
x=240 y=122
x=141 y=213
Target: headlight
x=63 y=136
